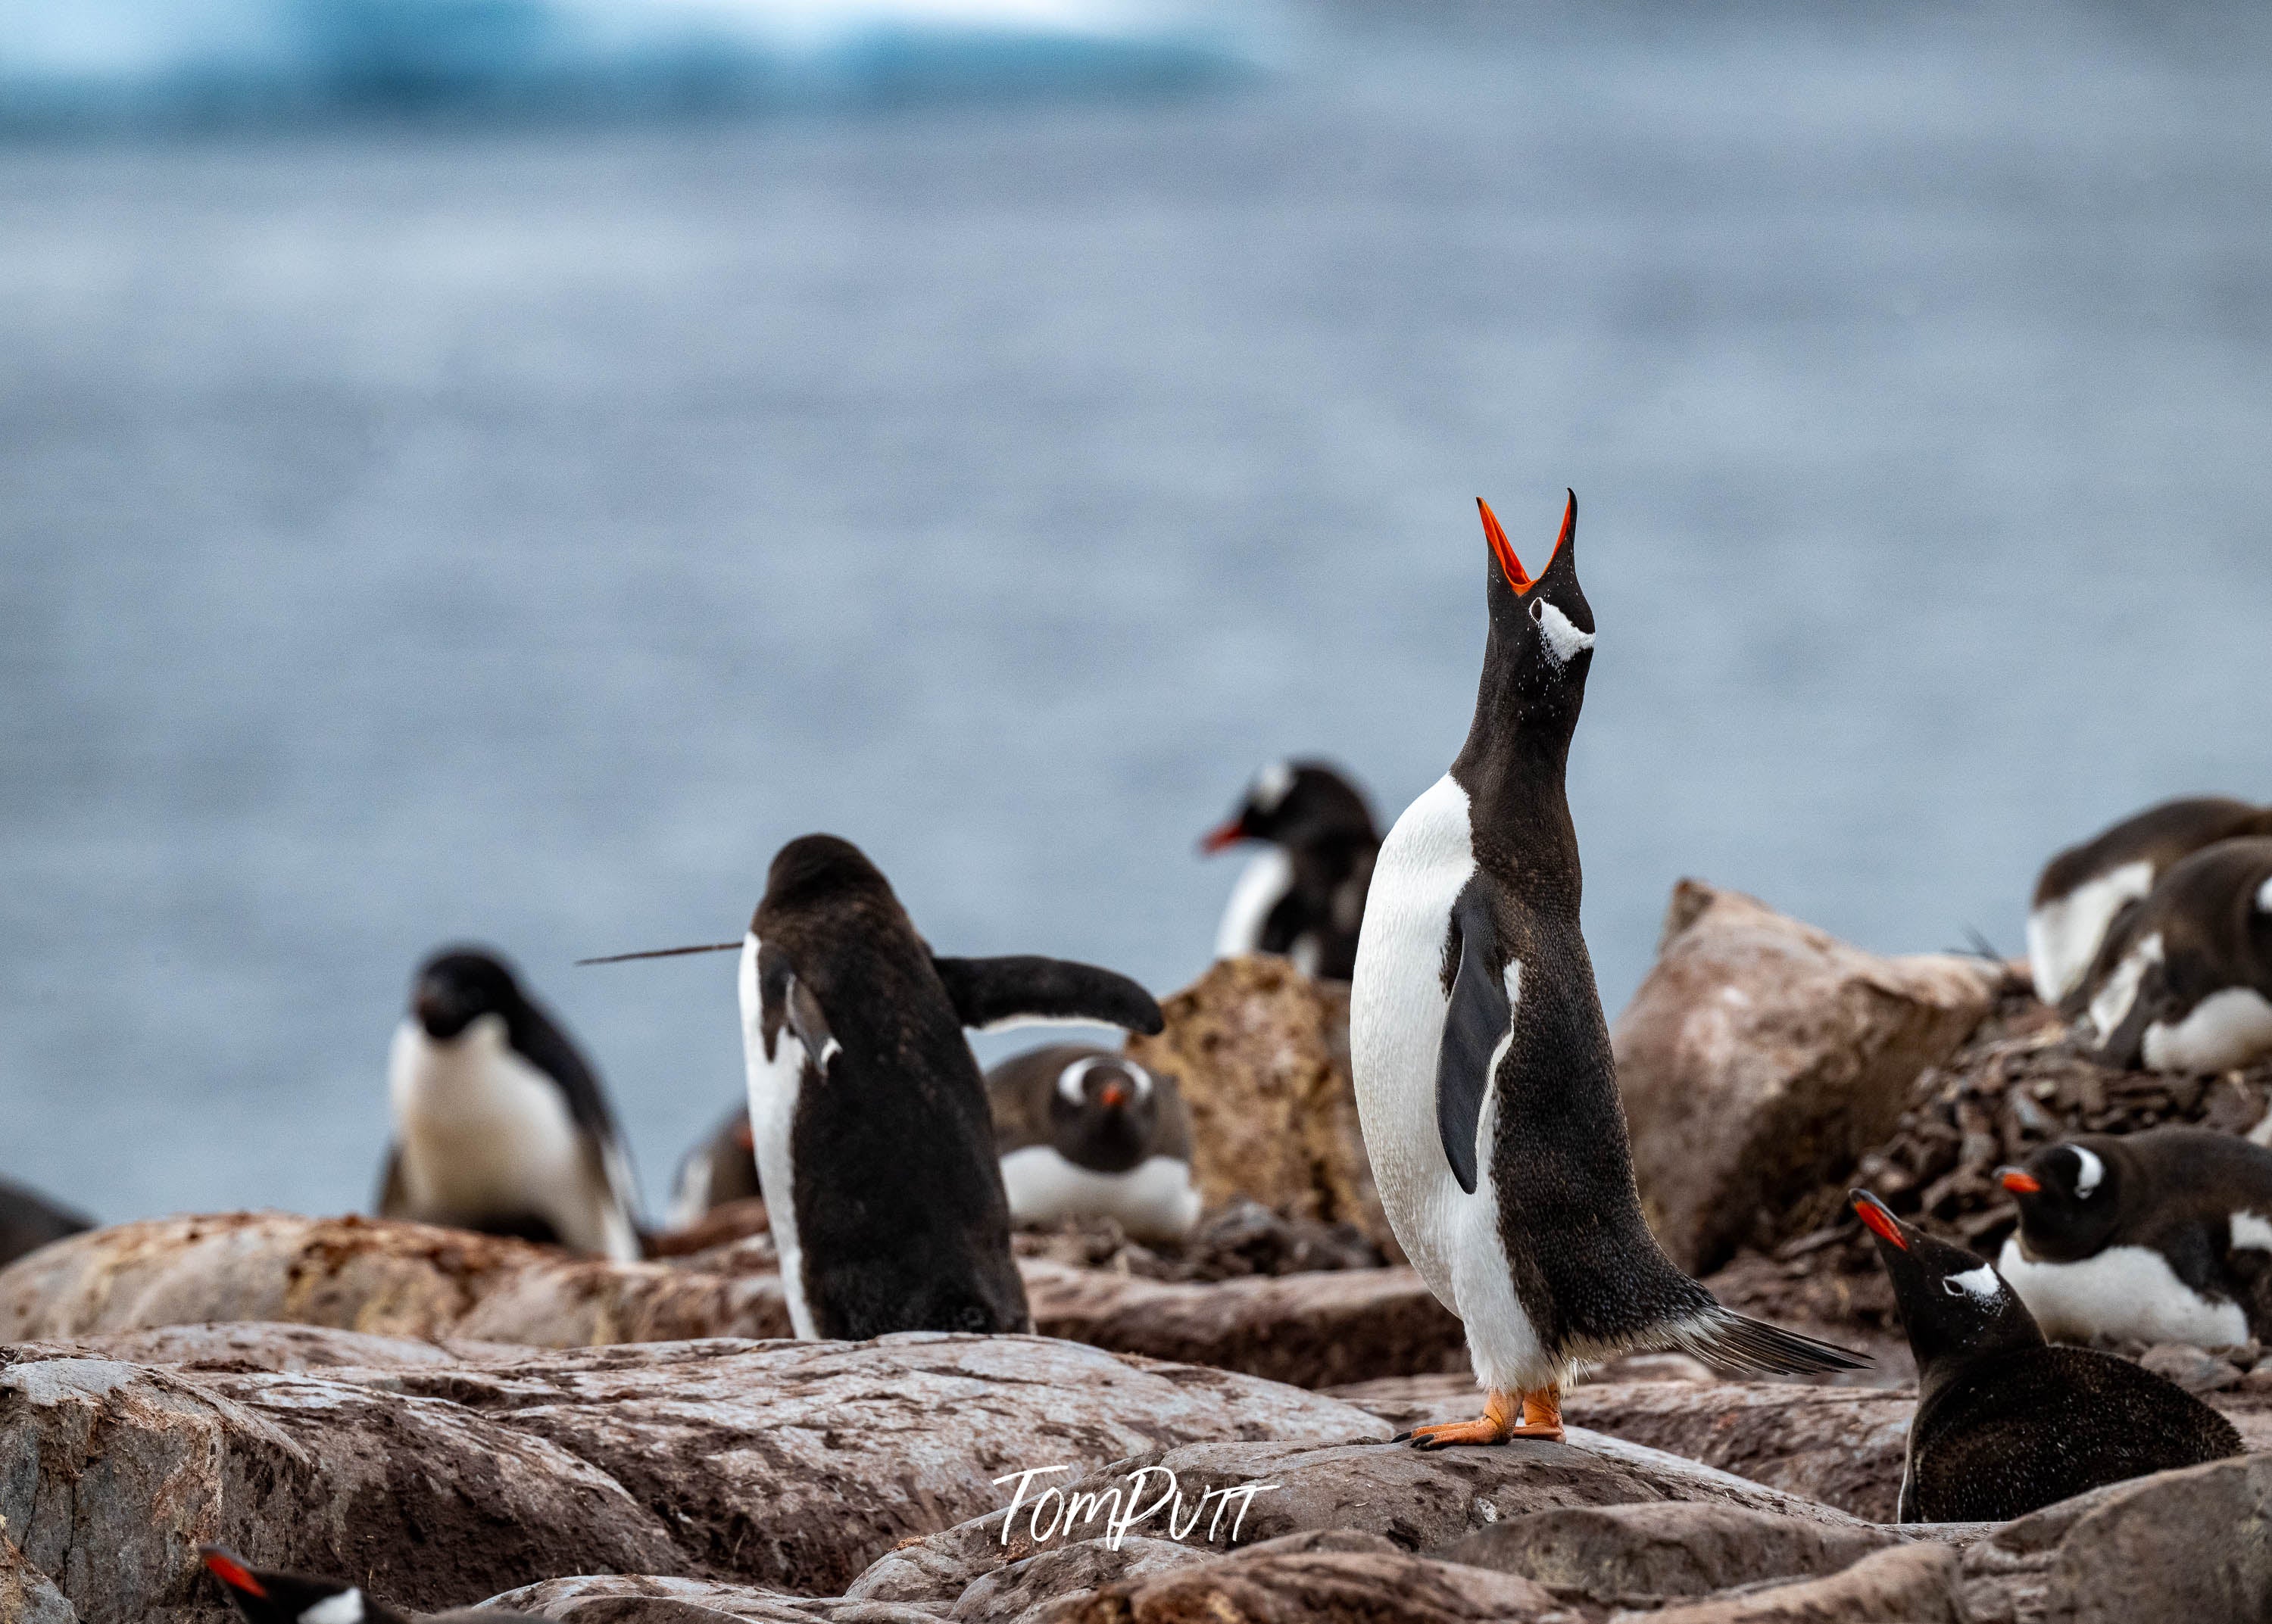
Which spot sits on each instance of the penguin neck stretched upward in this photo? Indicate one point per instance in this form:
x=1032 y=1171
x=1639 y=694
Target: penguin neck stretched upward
x=1512 y=767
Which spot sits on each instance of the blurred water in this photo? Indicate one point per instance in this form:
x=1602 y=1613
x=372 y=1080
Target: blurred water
x=520 y=532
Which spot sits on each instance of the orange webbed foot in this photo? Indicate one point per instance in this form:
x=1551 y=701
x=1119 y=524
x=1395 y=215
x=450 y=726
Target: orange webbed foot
x=1505 y=1416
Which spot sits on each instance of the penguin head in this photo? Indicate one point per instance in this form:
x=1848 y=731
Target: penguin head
x=459 y=985
x=1542 y=631
x=286 y=1598
x=1294 y=803
x=817 y=869
x=2070 y=1196
x=1103 y=1112
x=1954 y=1305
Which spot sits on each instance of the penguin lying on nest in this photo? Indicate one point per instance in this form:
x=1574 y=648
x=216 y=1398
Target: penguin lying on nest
x=874 y=1141
x=2084 y=889
x=1484 y=1081
x=2183 y=983
x=1084 y=1132
x=722 y=1167
x=2006 y=1424
x=2159 y=1236
x=287 y=1598
x=1303 y=894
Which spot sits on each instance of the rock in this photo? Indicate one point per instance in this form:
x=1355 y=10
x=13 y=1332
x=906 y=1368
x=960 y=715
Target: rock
x=255 y=1345
x=1761 y=1056
x=26 y=1595
x=627 y=1598
x=2194 y=1369
x=1908 y=1585
x=1307 y=1329
x=1260 y=1053
x=1630 y=1553
x=1268 y=1585
x=1040 y=1584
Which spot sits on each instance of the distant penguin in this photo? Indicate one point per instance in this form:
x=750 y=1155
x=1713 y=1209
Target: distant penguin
x=1303 y=895
x=499 y=1123
x=874 y=1141
x=2084 y=889
x=2006 y=1424
x=2161 y=1236
x=29 y=1221
x=722 y=1167
x=1484 y=1080
x=287 y=1598
x=1085 y=1132
x=2185 y=984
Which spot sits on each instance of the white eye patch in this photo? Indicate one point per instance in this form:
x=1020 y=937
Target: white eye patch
x=1271 y=784
x=1072 y=1081
x=2088 y=1170
x=2264 y=899
x=1564 y=641
x=1981 y=1284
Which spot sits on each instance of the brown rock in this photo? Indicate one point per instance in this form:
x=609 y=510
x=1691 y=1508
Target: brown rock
x=2194 y=1369
x=1761 y=1056
x=1267 y=1586
x=630 y=1598
x=1307 y=1329
x=1261 y=1051
x=1630 y=1553
x=1908 y=1585
x=26 y=1595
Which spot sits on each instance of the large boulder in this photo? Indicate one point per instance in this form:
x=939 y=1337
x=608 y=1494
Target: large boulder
x=1261 y=1051
x=1649 y=1552
x=1909 y=1584
x=1761 y=1057
x=1300 y=1582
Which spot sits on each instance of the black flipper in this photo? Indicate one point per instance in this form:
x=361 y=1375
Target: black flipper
x=990 y=991
x=1473 y=1026
x=785 y=1001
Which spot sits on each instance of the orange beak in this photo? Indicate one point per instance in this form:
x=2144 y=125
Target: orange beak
x=2018 y=1182
x=1216 y=840
x=231 y=1573
x=1113 y=1095
x=1878 y=1219
x=1502 y=550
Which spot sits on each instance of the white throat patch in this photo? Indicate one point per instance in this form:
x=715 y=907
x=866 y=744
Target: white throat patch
x=344 y=1608
x=1564 y=641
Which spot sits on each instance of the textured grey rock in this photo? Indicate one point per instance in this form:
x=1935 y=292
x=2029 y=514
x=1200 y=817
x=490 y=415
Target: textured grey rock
x=1624 y=1554
x=1307 y=1578
x=1908 y=1585
x=624 y=1598
x=26 y=1595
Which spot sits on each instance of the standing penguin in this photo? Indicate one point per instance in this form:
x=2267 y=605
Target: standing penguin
x=2084 y=889
x=499 y=1123
x=287 y=1598
x=2005 y=1424
x=2184 y=983
x=1303 y=894
x=1484 y=1080
x=2162 y=1236
x=1084 y=1131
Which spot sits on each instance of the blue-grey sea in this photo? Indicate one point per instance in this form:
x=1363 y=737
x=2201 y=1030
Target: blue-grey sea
x=420 y=524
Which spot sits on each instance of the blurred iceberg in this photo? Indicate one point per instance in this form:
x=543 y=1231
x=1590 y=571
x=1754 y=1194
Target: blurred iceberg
x=104 y=60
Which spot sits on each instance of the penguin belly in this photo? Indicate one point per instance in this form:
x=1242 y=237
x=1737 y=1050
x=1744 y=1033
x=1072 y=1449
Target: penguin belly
x=2064 y=933
x=774 y=1084
x=1397 y=1008
x=484 y=1134
x=2229 y=1029
x=2126 y=1291
x=1152 y=1200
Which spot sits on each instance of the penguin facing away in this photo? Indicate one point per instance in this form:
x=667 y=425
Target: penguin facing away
x=2083 y=889
x=1302 y=895
x=287 y=1598
x=499 y=1123
x=1484 y=1080
x=1085 y=1132
x=29 y=1221
x=2159 y=1236
x=722 y=1167
x=2184 y=981
x=874 y=1140
x=2004 y=1423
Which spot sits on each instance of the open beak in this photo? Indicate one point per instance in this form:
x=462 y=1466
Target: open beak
x=2018 y=1182
x=1217 y=839
x=231 y=1572
x=1878 y=1219
x=1502 y=550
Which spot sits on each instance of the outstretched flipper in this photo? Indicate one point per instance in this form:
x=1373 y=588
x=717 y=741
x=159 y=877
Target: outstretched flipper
x=1473 y=1028
x=993 y=994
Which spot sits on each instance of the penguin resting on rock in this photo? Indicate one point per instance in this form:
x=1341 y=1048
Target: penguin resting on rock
x=2004 y=1423
x=1484 y=1080
x=1085 y=1132
x=287 y=1598
x=2185 y=982
x=2159 y=1236
x=499 y=1123
x=1303 y=894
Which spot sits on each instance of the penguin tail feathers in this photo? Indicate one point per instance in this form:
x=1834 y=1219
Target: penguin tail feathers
x=1736 y=1344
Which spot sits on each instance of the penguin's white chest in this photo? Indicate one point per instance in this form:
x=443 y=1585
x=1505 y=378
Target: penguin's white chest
x=2129 y=1293
x=1154 y=1200
x=1397 y=1008
x=774 y=1081
x=481 y=1131
x=1262 y=886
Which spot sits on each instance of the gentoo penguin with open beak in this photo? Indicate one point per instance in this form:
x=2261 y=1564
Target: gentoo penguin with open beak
x=2084 y=889
x=287 y=1598
x=2185 y=982
x=2005 y=1424
x=1084 y=1132
x=2160 y=1236
x=1484 y=1080
x=723 y=1168
x=499 y=1123
x=1302 y=895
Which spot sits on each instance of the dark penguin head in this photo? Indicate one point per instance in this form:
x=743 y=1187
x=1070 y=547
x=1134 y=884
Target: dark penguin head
x=459 y=985
x=2070 y=1197
x=1104 y=1113
x=1295 y=804
x=1535 y=658
x=286 y=1598
x=822 y=871
x=1954 y=1306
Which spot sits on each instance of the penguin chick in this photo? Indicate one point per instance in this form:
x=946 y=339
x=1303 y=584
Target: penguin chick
x=1485 y=1079
x=722 y=1167
x=1085 y=1132
x=2159 y=1236
x=2084 y=889
x=2005 y=1424
x=287 y=1598
x=29 y=1221
x=499 y=1123
x=2185 y=982
x=1303 y=895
